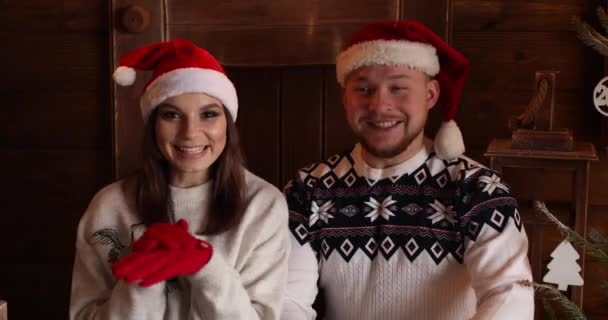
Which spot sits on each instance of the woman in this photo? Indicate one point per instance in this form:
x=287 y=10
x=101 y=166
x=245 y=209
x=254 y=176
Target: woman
x=193 y=235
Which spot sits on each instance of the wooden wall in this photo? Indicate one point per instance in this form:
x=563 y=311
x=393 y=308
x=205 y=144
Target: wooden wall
x=56 y=141
x=54 y=144
x=507 y=41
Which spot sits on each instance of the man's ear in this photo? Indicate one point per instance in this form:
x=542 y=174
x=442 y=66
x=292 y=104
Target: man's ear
x=432 y=93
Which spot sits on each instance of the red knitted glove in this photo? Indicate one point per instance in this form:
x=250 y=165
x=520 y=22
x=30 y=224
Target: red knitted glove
x=166 y=236
x=158 y=265
x=163 y=252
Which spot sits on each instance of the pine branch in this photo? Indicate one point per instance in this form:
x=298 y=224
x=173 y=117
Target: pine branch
x=548 y=308
x=590 y=37
x=603 y=17
x=592 y=249
x=598 y=239
x=568 y=308
x=604 y=285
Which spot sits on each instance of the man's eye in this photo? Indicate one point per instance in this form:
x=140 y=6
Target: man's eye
x=398 y=89
x=362 y=90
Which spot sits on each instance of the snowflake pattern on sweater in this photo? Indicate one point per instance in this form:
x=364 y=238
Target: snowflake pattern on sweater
x=432 y=208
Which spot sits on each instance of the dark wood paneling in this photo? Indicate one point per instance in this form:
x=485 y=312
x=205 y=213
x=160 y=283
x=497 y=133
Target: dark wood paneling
x=56 y=119
x=274 y=33
x=30 y=16
x=259 y=119
x=435 y=14
x=517 y=15
x=269 y=45
x=55 y=141
x=36 y=290
x=52 y=63
x=51 y=187
x=338 y=136
x=508 y=60
x=301 y=120
x=127 y=120
x=483 y=114
x=596 y=298
x=279 y=13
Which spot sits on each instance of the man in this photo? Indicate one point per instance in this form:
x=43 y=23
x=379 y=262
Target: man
x=397 y=227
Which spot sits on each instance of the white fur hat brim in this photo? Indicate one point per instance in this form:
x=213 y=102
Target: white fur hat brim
x=417 y=55
x=190 y=80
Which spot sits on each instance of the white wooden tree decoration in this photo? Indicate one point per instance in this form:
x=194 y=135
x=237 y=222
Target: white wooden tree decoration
x=563 y=269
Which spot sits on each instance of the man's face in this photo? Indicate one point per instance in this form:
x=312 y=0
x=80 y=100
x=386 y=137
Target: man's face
x=387 y=107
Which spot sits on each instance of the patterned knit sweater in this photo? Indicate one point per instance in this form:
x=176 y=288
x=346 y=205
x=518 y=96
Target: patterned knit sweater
x=245 y=278
x=425 y=239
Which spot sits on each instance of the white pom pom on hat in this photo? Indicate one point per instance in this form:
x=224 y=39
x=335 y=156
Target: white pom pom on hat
x=124 y=76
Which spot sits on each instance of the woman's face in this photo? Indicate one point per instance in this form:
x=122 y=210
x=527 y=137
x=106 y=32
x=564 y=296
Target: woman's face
x=191 y=134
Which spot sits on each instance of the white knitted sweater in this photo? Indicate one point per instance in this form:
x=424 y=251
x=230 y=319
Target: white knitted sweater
x=245 y=278
x=425 y=239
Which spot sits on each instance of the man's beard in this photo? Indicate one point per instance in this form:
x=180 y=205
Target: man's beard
x=391 y=152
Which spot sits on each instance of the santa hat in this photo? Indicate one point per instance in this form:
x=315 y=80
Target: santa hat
x=412 y=44
x=178 y=67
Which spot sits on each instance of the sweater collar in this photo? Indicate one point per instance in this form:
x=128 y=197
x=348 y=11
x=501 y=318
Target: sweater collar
x=394 y=172
x=191 y=197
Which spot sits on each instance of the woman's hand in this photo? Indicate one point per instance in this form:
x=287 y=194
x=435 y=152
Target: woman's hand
x=164 y=251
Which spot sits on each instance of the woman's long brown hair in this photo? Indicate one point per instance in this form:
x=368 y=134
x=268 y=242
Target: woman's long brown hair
x=152 y=193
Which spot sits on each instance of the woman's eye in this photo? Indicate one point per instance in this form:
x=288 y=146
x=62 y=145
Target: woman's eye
x=209 y=114
x=169 y=115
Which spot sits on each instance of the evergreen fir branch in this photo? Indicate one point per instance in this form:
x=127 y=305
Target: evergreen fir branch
x=592 y=249
x=590 y=37
x=603 y=17
x=604 y=285
x=567 y=307
x=548 y=308
x=598 y=239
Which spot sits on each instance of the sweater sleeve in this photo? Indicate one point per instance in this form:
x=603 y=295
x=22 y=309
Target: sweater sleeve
x=96 y=294
x=496 y=249
x=255 y=289
x=303 y=271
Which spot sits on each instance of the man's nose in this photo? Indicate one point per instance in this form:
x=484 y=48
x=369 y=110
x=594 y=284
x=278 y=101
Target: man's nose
x=379 y=100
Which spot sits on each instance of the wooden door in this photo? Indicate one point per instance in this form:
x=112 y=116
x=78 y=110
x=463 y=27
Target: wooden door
x=279 y=54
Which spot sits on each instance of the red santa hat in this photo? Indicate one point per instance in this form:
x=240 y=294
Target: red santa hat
x=412 y=44
x=178 y=67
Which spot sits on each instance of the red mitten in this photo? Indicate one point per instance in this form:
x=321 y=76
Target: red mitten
x=158 y=265
x=166 y=236
x=162 y=252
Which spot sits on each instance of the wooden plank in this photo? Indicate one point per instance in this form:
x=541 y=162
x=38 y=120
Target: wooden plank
x=337 y=134
x=59 y=184
x=90 y=15
x=48 y=284
x=127 y=125
x=595 y=298
x=436 y=14
x=33 y=15
x=259 y=119
x=279 y=13
x=517 y=15
x=301 y=121
x=274 y=46
x=508 y=60
x=62 y=119
x=484 y=113
x=598 y=193
x=582 y=151
x=72 y=62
